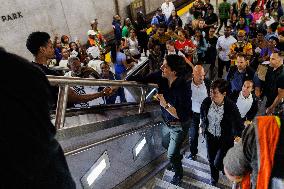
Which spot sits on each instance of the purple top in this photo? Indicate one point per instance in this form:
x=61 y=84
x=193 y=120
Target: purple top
x=267 y=51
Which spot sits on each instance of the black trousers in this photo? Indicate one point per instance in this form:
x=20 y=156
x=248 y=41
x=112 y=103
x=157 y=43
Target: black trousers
x=216 y=151
x=221 y=65
x=193 y=133
x=211 y=59
x=222 y=21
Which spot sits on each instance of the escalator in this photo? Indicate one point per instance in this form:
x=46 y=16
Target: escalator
x=119 y=145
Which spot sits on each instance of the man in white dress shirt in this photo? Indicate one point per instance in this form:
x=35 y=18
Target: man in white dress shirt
x=199 y=87
x=246 y=102
x=167 y=8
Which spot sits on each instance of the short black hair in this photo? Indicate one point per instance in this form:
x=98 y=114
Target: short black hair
x=220 y=84
x=274 y=26
x=177 y=64
x=274 y=38
x=228 y=27
x=162 y=25
x=36 y=40
x=261 y=30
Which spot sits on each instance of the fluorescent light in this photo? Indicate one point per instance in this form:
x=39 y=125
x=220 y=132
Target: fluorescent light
x=140 y=146
x=96 y=172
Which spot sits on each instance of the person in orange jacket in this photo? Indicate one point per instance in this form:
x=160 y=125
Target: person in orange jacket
x=257 y=160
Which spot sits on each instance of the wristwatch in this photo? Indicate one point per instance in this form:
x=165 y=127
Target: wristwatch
x=167 y=106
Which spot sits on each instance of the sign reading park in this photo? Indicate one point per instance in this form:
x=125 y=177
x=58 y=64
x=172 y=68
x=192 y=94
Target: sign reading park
x=12 y=16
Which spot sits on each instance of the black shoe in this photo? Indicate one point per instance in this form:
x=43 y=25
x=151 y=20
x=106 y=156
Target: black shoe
x=170 y=167
x=176 y=180
x=191 y=157
x=213 y=183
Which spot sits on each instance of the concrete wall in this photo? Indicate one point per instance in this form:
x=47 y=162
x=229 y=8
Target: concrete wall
x=71 y=17
x=18 y=18
x=123 y=8
x=151 y=5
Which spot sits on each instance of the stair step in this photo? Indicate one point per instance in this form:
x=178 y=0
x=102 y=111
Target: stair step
x=198 y=175
x=197 y=184
x=205 y=177
x=196 y=164
x=161 y=184
x=188 y=182
x=203 y=166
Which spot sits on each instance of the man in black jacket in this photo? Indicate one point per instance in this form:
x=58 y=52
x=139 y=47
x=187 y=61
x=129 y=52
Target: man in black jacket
x=31 y=156
x=239 y=73
x=175 y=105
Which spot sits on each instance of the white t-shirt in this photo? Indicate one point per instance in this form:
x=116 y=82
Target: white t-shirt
x=63 y=63
x=96 y=65
x=94 y=51
x=244 y=104
x=225 y=43
x=85 y=90
x=167 y=9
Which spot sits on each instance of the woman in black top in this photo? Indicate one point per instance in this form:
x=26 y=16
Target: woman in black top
x=221 y=122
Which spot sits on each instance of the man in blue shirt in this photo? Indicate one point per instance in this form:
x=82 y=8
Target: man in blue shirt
x=116 y=24
x=239 y=73
x=175 y=104
x=159 y=18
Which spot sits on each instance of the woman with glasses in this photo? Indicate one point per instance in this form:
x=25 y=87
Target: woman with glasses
x=221 y=123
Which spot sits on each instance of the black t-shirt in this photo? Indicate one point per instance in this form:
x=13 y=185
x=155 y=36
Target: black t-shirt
x=54 y=89
x=280 y=46
x=273 y=81
x=211 y=19
x=212 y=43
x=31 y=152
x=177 y=95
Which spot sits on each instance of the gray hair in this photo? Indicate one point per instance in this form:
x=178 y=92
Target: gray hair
x=71 y=60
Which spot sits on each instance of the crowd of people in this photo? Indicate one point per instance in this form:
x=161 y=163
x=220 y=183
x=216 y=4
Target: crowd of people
x=222 y=105
x=244 y=38
x=255 y=30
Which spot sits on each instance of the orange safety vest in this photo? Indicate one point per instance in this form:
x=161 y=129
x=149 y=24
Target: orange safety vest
x=268 y=132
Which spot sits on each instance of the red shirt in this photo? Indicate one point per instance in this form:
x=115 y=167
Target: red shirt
x=181 y=45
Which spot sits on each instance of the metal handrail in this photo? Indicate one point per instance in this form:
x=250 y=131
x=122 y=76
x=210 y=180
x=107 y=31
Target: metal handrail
x=110 y=138
x=73 y=81
x=65 y=82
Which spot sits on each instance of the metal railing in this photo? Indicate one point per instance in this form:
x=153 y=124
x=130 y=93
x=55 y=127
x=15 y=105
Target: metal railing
x=65 y=82
x=110 y=138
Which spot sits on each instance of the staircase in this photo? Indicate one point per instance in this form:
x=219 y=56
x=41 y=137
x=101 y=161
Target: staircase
x=196 y=173
x=196 y=176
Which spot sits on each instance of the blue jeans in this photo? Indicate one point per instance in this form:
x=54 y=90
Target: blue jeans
x=172 y=138
x=120 y=91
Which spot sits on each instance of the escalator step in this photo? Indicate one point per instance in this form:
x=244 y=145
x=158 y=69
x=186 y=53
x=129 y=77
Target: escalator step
x=161 y=184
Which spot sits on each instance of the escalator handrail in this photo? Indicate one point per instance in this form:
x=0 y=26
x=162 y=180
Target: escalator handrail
x=75 y=81
x=65 y=82
x=137 y=68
